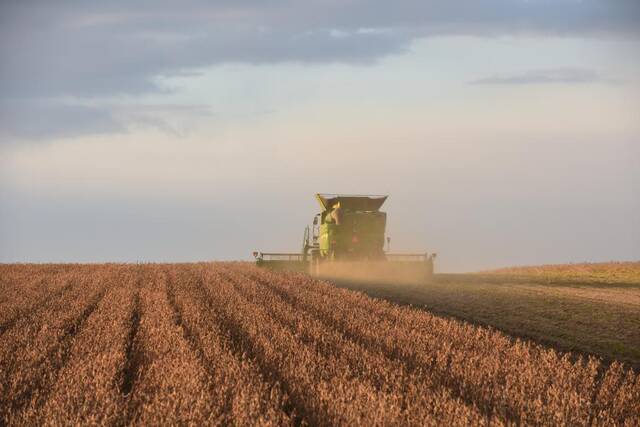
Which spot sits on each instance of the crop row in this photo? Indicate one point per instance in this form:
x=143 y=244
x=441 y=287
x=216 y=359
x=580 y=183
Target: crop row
x=508 y=380
x=228 y=343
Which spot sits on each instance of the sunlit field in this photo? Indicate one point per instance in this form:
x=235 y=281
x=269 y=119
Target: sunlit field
x=228 y=343
x=605 y=272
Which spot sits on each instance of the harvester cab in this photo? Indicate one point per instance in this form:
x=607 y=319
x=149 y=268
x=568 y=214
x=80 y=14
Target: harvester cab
x=346 y=241
x=350 y=228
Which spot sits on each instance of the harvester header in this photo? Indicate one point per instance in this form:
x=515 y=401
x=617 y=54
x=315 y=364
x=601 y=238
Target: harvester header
x=348 y=236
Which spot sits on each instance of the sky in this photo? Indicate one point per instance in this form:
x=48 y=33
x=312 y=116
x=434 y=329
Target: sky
x=505 y=132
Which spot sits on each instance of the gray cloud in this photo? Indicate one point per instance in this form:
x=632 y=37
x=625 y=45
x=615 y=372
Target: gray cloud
x=98 y=48
x=91 y=50
x=36 y=119
x=548 y=75
x=173 y=119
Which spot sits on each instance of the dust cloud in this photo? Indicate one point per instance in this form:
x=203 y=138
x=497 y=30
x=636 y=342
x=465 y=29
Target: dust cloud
x=382 y=272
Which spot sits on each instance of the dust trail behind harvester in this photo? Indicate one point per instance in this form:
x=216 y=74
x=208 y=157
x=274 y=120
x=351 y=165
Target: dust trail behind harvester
x=380 y=272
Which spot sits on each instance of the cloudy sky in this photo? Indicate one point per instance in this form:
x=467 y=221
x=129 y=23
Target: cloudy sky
x=505 y=131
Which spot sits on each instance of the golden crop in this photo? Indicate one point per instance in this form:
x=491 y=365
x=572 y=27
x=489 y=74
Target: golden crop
x=228 y=343
x=602 y=272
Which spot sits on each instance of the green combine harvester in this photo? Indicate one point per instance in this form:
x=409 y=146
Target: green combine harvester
x=346 y=241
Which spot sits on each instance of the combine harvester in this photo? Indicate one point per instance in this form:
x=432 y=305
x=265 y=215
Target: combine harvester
x=346 y=242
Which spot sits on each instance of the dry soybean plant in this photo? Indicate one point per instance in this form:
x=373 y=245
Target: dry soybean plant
x=228 y=343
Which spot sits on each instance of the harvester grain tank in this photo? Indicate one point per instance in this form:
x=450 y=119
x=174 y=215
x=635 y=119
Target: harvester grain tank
x=346 y=241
